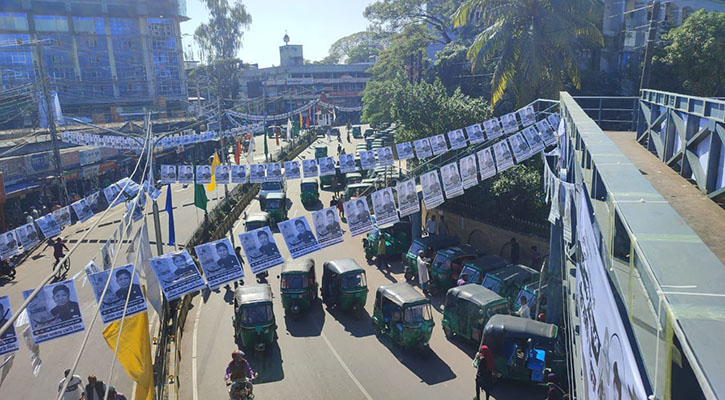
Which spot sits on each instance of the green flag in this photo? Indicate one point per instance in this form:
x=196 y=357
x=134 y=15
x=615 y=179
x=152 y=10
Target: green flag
x=200 y=199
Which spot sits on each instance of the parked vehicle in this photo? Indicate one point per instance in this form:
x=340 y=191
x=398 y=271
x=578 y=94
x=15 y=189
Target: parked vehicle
x=276 y=206
x=256 y=220
x=356 y=132
x=352 y=178
x=447 y=265
x=369 y=132
x=430 y=245
x=310 y=191
x=265 y=188
x=357 y=190
x=320 y=151
x=476 y=269
x=403 y=314
x=397 y=239
x=255 y=327
x=508 y=281
x=298 y=286
x=468 y=308
x=344 y=285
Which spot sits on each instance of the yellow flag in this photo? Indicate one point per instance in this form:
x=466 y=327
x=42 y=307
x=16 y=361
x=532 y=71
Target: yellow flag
x=214 y=164
x=134 y=352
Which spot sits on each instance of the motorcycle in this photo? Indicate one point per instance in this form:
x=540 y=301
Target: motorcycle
x=242 y=389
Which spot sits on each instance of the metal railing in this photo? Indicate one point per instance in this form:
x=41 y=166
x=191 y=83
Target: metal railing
x=611 y=113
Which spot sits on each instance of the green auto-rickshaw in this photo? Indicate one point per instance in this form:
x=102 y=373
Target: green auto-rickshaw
x=320 y=151
x=509 y=280
x=397 y=239
x=298 y=285
x=356 y=132
x=430 y=245
x=310 y=191
x=404 y=314
x=276 y=206
x=256 y=220
x=331 y=180
x=357 y=190
x=468 y=308
x=447 y=265
x=476 y=269
x=352 y=178
x=344 y=285
x=254 y=323
x=524 y=349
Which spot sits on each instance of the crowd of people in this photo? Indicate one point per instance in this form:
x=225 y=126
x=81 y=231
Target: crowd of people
x=93 y=390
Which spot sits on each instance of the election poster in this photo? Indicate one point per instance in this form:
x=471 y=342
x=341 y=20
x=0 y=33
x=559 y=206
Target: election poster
x=486 y=165
x=432 y=193
x=129 y=187
x=407 y=197
x=48 y=225
x=527 y=115
x=186 y=174
x=452 y=185
x=177 y=274
x=94 y=200
x=219 y=262
x=367 y=159
x=520 y=148
x=54 y=312
x=309 y=168
x=547 y=132
x=298 y=237
x=62 y=216
x=358 y=216
x=221 y=174
x=385 y=156
x=384 y=207
x=327 y=166
x=422 y=148
x=239 y=174
x=274 y=172
x=292 y=170
x=82 y=209
x=457 y=139
x=469 y=173
x=553 y=119
x=107 y=255
x=168 y=174
x=256 y=173
x=493 y=128
x=27 y=235
x=475 y=134
x=347 y=163
x=327 y=227
x=112 y=196
x=9 y=339
x=504 y=159
x=260 y=249
x=438 y=144
x=533 y=139
x=510 y=125
x=203 y=174
x=404 y=150
x=123 y=284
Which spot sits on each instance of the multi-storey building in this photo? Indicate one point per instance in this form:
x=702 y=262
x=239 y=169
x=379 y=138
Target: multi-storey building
x=107 y=59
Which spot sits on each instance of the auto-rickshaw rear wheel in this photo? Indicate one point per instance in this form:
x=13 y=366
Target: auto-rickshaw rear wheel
x=409 y=275
x=448 y=332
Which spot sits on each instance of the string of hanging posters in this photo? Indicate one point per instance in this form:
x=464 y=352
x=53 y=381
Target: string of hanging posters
x=293 y=113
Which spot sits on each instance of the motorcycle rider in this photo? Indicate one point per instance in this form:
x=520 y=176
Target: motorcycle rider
x=238 y=369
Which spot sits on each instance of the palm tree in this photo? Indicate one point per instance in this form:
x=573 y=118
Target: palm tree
x=532 y=43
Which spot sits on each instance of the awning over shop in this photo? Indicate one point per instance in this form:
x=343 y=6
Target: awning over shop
x=19 y=188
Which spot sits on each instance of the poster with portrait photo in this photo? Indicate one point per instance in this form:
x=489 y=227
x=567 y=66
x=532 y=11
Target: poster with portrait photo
x=432 y=193
x=504 y=159
x=309 y=168
x=385 y=156
x=94 y=200
x=457 y=139
x=112 y=193
x=520 y=148
x=407 y=197
x=527 y=115
x=9 y=339
x=347 y=163
x=82 y=209
x=62 y=216
x=203 y=174
x=27 y=235
x=48 y=225
x=384 y=207
x=327 y=166
x=327 y=227
x=493 y=128
x=107 y=254
x=186 y=173
x=292 y=170
x=357 y=213
x=274 y=172
x=486 y=164
x=452 y=185
x=438 y=144
x=256 y=173
x=239 y=174
x=404 y=150
x=367 y=159
x=547 y=132
x=177 y=274
x=475 y=134
x=129 y=187
x=54 y=312
x=536 y=144
x=113 y=303
x=221 y=174
x=168 y=174
x=509 y=122
x=298 y=237
x=553 y=119
x=422 y=148
x=469 y=173
x=260 y=249
x=219 y=262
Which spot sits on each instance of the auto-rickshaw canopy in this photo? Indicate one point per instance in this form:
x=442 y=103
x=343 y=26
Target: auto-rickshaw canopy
x=300 y=265
x=488 y=263
x=261 y=217
x=309 y=181
x=434 y=242
x=519 y=328
x=475 y=294
x=455 y=252
x=343 y=265
x=516 y=274
x=402 y=294
x=250 y=294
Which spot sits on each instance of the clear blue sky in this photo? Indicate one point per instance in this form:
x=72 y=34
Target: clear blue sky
x=315 y=24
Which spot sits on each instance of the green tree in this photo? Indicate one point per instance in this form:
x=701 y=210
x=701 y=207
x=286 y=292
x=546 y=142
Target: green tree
x=393 y=16
x=454 y=70
x=532 y=43
x=692 y=55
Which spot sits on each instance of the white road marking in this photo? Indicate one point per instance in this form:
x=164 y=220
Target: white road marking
x=194 y=382
x=345 y=367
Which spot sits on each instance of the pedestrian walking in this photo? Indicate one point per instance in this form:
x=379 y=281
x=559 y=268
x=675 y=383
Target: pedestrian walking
x=535 y=258
x=95 y=389
x=382 y=249
x=442 y=227
x=515 y=250
x=431 y=226
x=341 y=209
x=423 y=276
x=238 y=252
x=74 y=390
x=484 y=364
x=58 y=247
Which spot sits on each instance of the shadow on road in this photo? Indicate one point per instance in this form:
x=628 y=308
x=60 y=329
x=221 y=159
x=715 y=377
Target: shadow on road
x=467 y=347
x=313 y=207
x=513 y=390
x=6 y=280
x=268 y=365
x=357 y=327
x=308 y=323
x=427 y=366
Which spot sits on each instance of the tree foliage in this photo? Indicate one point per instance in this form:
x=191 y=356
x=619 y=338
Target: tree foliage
x=393 y=16
x=532 y=43
x=357 y=47
x=691 y=56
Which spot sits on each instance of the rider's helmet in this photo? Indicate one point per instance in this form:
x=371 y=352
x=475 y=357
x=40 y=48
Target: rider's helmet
x=237 y=355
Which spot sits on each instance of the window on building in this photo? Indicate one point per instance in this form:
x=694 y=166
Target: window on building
x=57 y=59
x=91 y=42
x=89 y=25
x=13 y=22
x=51 y=23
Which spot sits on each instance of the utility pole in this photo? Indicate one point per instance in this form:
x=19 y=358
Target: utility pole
x=649 y=49
x=155 y=206
x=43 y=75
x=264 y=111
